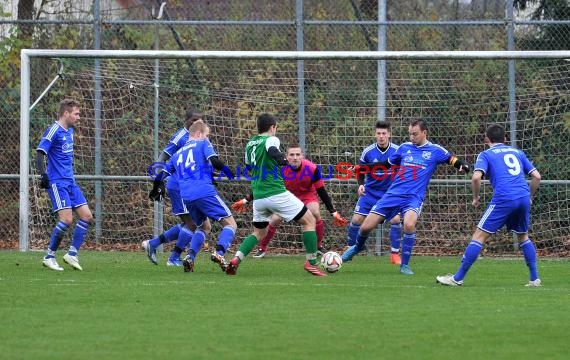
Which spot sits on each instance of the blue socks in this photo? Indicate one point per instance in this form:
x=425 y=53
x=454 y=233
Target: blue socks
x=529 y=253
x=56 y=236
x=166 y=237
x=352 y=233
x=361 y=240
x=407 y=246
x=469 y=257
x=184 y=238
x=196 y=243
x=78 y=236
x=225 y=239
x=395 y=235
x=77 y=239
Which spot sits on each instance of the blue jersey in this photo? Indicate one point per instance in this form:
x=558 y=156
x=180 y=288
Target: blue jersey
x=57 y=144
x=377 y=185
x=416 y=166
x=174 y=144
x=505 y=167
x=193 y=170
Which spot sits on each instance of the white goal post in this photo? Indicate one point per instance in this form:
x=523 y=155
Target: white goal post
x=332 y=95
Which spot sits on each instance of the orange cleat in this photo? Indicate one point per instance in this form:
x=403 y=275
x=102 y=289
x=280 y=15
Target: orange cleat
x=395 y=259
x=313 y=269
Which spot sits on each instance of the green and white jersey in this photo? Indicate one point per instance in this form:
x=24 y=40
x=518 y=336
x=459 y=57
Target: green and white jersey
x=264 y=171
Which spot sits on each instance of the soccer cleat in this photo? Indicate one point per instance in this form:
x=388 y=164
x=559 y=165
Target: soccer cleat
x=405 y=270
x=51 y=263
x=188 y=264
x=150 y=252
x=73 y=261
x=534 y=283
x=395 y=259
x=313 y=269
x=174 y=262
x=220 y=260
x=448 y=280
x=259 y=254
x=233 y=266
x=349 y=254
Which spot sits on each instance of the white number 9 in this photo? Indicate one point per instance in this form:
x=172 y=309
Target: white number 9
x=513 y=163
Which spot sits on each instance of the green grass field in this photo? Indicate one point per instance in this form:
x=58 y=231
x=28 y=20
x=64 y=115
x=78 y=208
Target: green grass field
x=122 y=307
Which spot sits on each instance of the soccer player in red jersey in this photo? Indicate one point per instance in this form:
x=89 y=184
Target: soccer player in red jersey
x=304 y=179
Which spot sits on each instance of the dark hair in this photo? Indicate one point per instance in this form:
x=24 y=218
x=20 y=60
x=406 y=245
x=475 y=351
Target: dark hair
x=495 y=133
x=191 y=116
x=383 y=125
x=67 y=105
x=265 y=121
x=419 y=122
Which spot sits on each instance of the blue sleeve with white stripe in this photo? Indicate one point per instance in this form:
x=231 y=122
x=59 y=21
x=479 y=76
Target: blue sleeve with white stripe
x=176 y=142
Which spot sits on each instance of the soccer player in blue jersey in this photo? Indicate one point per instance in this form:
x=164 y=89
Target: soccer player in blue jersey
x=371 y=187
x=59 y=181
x=412 y=166
x=506 y=168
x=181 y=232
x=192 y=166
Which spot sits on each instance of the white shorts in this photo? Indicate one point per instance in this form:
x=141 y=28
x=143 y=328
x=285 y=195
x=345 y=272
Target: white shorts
x=286 y=205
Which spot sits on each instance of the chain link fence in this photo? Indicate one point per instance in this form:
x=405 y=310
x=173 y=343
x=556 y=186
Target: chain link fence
x=309 y=25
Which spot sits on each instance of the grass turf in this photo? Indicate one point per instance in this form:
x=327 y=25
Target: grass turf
x=123 y=307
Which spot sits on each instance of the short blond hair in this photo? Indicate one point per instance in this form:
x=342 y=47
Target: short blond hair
x=67 y=105
x=198 y=126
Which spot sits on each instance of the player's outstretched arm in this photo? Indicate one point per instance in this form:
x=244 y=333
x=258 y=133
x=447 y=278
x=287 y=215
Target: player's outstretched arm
x=164 y=157
x=278 y=156
x=220 y=166
x=240 y=206
x=459 y=164
x=41 y=168
x=338 y=220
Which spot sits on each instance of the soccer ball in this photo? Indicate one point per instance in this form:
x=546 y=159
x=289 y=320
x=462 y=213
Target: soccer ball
x=331 y=261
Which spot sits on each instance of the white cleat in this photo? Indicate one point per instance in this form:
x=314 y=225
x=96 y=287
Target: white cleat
x=534 y=283
x=50 y=263
x=73 y=261
x=448 y=280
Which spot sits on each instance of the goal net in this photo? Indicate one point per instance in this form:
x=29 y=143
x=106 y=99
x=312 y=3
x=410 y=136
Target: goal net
x=132 y=104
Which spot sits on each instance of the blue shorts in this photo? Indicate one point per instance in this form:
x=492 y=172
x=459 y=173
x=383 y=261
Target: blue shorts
x=212 y=207
x=513 y=213
x=178 y=207
x=391 y=205
x=65 y=195
x=364 y=204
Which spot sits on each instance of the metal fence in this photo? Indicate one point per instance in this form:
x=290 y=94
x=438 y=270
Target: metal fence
x=351 y=25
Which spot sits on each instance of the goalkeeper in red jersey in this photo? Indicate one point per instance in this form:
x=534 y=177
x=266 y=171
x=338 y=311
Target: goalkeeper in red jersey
x=304 y=179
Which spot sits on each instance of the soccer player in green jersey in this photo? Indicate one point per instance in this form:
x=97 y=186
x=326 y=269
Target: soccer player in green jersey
x=264 y=159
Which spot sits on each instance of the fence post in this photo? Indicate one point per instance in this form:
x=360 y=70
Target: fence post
x=381 y=96
x=512 y=86
x=300 y=72
x=158 y=206
x=97 y=115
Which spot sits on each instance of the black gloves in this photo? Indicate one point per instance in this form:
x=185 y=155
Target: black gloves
x=44 y=181
x=158 y=191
